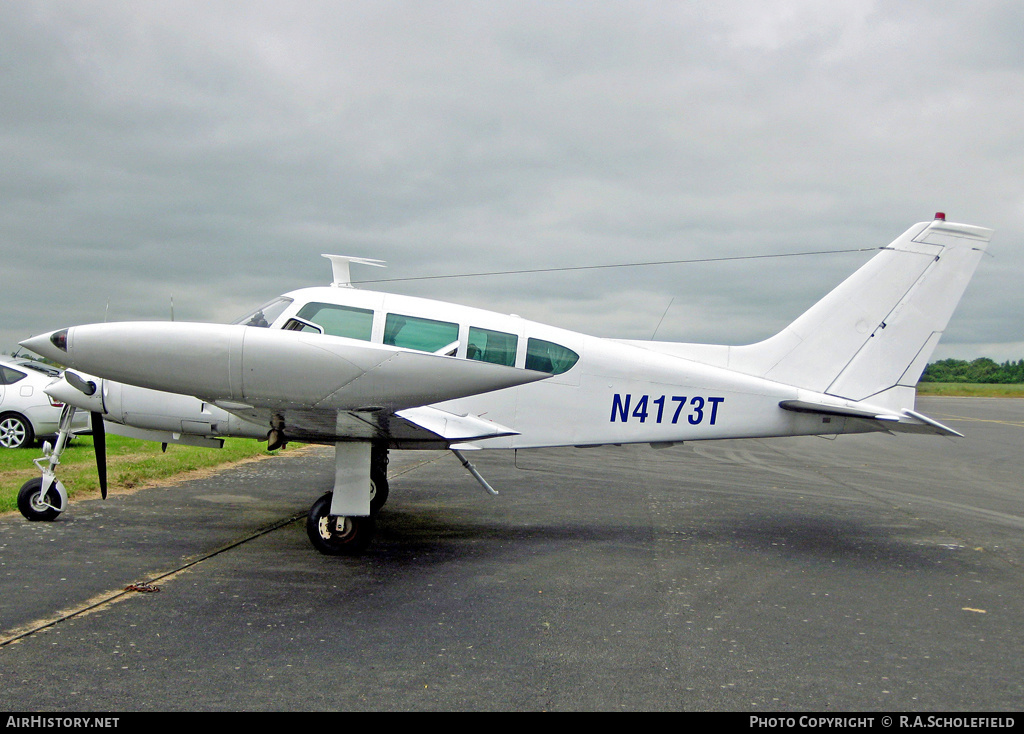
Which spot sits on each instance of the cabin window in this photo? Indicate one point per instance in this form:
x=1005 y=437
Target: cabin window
x=425 y=335
x=495 y=347
x=266 y=314
x=354 y=323
x=549 y=357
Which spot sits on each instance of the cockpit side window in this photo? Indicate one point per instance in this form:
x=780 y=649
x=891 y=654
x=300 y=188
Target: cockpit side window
x=425 y=335
x=266 y=314
x=495 y=347
x=544 y=356
x=347 y=321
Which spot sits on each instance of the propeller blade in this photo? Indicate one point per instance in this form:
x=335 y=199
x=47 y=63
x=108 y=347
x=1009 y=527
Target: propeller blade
x=99 y=440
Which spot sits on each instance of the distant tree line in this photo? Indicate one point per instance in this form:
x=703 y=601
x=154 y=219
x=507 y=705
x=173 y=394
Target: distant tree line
x=982 y=370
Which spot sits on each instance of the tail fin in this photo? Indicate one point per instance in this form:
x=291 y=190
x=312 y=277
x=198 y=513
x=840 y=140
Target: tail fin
x=871 y=337
x=875 y=332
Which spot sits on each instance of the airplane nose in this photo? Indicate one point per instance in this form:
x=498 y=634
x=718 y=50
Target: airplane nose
x=52 y=346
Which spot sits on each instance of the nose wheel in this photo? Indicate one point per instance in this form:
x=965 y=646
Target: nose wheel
x=34 y=505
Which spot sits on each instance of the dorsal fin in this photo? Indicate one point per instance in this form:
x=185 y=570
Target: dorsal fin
x=340 y=263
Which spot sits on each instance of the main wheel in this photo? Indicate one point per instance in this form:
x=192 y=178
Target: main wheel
x=15 y=432
x=33 y=505
x=337 y=536
x=378 y=492
x=378 y=477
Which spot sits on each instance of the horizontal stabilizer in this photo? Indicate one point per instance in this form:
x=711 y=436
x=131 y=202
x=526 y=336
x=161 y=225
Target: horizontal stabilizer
x=906 y=421
x=939 y=428
x=804 y=406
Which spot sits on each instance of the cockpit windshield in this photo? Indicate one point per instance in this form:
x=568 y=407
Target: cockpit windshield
x=266 y=314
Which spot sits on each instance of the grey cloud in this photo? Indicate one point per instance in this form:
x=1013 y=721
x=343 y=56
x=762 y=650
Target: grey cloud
x=211 y=151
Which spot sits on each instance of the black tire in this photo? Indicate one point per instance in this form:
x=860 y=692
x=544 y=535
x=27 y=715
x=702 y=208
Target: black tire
x=15 y=431
x=31 y=505
x=378 y=492
x=338 y=536
x=378 y=477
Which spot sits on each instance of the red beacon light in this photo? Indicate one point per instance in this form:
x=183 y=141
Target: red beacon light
x=941 y=216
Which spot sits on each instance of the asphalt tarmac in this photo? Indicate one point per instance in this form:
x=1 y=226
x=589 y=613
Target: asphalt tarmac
x=866 y=573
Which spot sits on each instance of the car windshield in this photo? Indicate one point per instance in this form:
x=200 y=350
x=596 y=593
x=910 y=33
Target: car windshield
x=38 y=367
x=266 y=314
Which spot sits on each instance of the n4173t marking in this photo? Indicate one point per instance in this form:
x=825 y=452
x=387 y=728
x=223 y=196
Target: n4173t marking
x=693 y=409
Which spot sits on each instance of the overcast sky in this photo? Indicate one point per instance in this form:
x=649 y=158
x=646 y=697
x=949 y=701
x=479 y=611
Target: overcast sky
x=206 y=153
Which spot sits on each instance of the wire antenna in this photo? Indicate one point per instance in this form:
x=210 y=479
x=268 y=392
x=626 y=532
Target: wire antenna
x=623 y=265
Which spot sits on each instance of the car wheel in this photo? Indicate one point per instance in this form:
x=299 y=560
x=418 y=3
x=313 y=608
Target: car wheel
x=15 y=432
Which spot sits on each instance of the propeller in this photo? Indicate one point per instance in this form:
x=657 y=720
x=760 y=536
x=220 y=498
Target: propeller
x=99 y=441
x=99 y=434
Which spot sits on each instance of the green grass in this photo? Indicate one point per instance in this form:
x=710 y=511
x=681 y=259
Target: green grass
x=130 y=464
x=970 y=390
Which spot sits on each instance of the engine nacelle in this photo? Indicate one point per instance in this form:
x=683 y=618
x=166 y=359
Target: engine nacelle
x=153 y=410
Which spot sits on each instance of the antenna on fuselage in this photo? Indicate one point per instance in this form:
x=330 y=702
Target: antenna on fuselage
x=341 y=263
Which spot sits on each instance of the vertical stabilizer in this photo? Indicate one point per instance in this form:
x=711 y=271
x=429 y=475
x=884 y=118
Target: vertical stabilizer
x=874 y=333
x=871 y=337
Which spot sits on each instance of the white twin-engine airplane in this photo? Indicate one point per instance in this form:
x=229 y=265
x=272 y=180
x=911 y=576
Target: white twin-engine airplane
x=370 y=371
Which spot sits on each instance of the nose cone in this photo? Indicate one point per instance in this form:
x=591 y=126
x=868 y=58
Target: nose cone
x=52 y=346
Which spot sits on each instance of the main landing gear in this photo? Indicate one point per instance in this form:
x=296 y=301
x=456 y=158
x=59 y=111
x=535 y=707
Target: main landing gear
x=336 y=531
x=349 y=534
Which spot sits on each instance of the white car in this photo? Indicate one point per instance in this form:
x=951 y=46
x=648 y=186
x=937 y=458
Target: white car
x=26 y=412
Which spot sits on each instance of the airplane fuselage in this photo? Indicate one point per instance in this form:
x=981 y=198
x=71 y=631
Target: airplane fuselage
x=330 y=363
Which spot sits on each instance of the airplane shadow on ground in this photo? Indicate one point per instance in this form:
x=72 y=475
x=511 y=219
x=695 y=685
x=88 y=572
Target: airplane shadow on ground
x=446 y=535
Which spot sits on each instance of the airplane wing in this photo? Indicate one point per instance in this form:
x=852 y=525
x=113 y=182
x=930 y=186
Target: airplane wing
x=318 y=388
x=425 y=426
x=238 y=367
